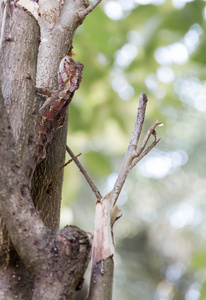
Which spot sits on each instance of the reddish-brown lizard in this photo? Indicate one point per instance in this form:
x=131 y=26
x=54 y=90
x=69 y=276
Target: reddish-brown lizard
x=53 y=112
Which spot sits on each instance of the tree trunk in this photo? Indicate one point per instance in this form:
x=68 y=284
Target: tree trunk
x=18 y=56
x=34 y=39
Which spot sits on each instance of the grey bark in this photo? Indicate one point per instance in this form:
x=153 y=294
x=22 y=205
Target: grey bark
x=18 y=73
x=20 y=51
x=58 y=24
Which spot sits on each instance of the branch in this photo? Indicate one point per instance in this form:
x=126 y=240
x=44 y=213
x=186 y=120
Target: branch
x=83 y=171
x=102 y=268
x=139 y=120
x=61 y=168
x=107 y=212
x=89 y=9
x=133 y=156
x=135 y=161
x=150 y=132
x=143 y=154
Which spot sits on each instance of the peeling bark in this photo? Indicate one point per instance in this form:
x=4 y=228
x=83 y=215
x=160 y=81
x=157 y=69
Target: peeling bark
x=101 y=281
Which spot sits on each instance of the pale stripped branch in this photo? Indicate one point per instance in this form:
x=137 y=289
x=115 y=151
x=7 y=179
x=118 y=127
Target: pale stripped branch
x=107 y=212
x=133 y=156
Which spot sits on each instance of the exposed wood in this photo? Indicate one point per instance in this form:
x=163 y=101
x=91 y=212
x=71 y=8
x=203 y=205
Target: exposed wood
x=101 y=281
x=107 y=212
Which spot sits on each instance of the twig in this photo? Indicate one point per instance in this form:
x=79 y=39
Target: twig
x=83 y=171
x=107 y=212
x=139 y=120
x=150 y=132
x=57 y=173
x=133 y=156
x=89 y=9
x=135 y=161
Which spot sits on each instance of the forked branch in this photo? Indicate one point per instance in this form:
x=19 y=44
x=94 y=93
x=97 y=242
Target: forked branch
x=107 y=212
x=89 y=9
x=133 y=156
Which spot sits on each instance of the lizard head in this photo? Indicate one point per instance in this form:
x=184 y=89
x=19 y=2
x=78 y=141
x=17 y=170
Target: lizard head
x=70 y=73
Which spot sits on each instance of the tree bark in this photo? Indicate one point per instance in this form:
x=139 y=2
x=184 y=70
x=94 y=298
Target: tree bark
x=33 y=41
x=18 y=56
x=58 y=24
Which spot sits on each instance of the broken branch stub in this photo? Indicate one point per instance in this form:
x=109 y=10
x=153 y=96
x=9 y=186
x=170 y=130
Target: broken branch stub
x=107 y=212
x=102 y=254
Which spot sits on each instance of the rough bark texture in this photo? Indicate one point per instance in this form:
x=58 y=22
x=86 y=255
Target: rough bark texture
x=19 y=73
x=18 y=56
x=66 y=262
x=56 y=41
x=102 y=280
x=15 y=280
x=56 y=261
x=46 y=197
x=22 y=34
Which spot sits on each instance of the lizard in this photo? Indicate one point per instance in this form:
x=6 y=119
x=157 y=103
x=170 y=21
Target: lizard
x=49 y=118
x=52 y=113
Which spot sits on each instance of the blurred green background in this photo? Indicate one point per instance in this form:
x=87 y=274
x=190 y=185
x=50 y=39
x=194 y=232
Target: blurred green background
x=157 y=47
